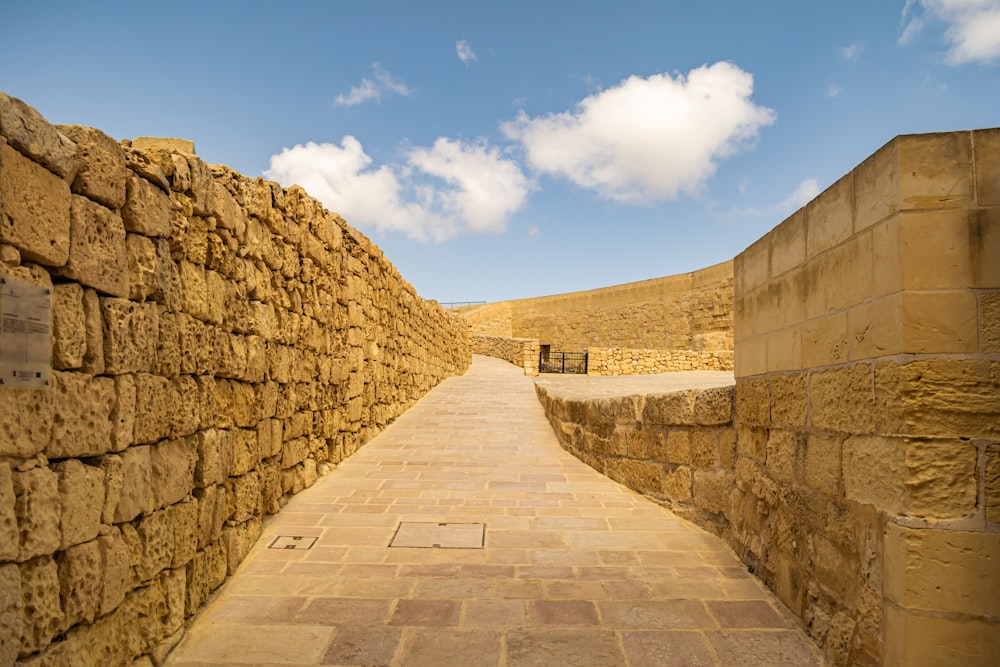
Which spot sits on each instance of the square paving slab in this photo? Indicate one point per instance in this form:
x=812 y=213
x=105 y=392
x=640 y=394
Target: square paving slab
x=433 y=535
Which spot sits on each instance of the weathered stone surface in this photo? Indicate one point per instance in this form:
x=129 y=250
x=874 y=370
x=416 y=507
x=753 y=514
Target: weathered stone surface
x=81 y=494
x=147 y=208
x=243 y=497
x=80 y=578
x=42 y=616
x=123 y=413
x=239 y=539
x=25 y=421
x=991 y=483
x=172 y=472
x=712 y=491
x=97 y=256
x=81 y=424
x=143 y=166
x=10 y=613
x=143 y=267
x=129 y=335
x=38 y=512
x=93 y=357
x=102 y=172
x=169 y=144
x=789 y=400
x=9 y=536
x=137 y=493
x=204 y=574
x=26 y=130
x=69 y=332
x=842 y=399
x=34 y=209
x=211 y=514
x=116 y=565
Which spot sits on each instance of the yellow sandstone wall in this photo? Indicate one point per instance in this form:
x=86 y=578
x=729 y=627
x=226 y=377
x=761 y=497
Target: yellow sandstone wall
x=522 y=352
x=868 y=406
x=218 y=342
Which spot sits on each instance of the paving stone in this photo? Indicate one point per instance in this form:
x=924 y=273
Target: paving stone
x=363 y=645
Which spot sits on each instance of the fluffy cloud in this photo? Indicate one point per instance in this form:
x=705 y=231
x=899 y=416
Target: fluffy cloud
x=647 y=139
x=852 y=52
x=441 y=192
x=369 y=89
x=973 y=27
x=464 y=51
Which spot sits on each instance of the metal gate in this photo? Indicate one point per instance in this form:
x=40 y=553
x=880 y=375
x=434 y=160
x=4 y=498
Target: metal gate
x=562 y=362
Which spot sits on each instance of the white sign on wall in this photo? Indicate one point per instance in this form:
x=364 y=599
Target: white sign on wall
x=25 y=334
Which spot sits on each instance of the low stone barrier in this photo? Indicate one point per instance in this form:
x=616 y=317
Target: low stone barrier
x=522 y=352
x=626 y=361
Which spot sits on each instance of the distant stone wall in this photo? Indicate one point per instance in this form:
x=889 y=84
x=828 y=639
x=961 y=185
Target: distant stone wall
x=217 y=342
x=522 y=352
x=620 y=361
x=690 y=311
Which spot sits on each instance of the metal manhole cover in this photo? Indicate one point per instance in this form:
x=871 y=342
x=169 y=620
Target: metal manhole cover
x=292 y=542
x=427 y=535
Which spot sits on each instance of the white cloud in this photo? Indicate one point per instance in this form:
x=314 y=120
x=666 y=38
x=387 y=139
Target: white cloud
x=464 y=51
x=972 y=27
x=451 y=189
x=806 y=191
x=834 y=90
x=647 y=139
x=369 y=90
x=852 y=52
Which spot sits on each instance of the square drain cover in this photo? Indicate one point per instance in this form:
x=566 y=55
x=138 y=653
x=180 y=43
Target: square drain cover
x=428 y=535
x=292 y=542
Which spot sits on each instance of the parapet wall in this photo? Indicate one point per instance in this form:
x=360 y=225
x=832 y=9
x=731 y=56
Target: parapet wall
x=522 y=352
x=616 y=361
x=689 y=311
x=217 y=342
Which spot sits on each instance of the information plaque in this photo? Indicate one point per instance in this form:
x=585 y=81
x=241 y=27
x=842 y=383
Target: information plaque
x=25 y=334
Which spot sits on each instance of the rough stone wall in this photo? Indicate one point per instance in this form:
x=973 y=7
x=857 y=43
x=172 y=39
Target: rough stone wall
x=690 y=311
x=868 y=406
x=621 y=361
x=522 y=352
x=218 y=342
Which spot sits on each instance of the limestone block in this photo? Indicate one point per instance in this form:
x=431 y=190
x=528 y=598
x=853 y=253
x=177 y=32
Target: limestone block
x=130 y=332
x=156 y=543
x=81 y=415
x=183 y=518
x=10 y=610
x=189 y=238
x=215 y=295
x=257 y=362
x=752 y=266
x=205 y=572
x=935 y=170
x=942 y=570
x=940 y=322
x=169 y=292
x=984 y=245
x=270 y=437
x=80 y=574
x=788 y=244
x=38 y=511
x=788 y=400
x=147 y=208
x=143 y=267
x=97 y=256
x=194 y=290
x=81 y=494
x=102 y=172
x=887 y=271
x=26 y=130
x=69 y=332
x=821 y=464
x=938 y=398
x=142 y=165
x=875 y=328
x=93 y=357
x=751 y=401
x=116 y=570
x=174 y=587
x=211 y=514
x=704 y=449
x=991 y=484
x=712 y=491
x=172 y=471
x=830 y=217
x=168 y=144
x=842 y=399
x=137 y=494
x=294 y=451
x=168 y=344
x=123 y=413
x=677 y=484
x=202 y=188
x=239 y=539
x=25 y=421
x=34 y=209
x=915 y=638
x=782 y=450
x=935 y=249
x=245 y=451
x=784 y=349
x=941 y=478
x=158 y=400
x=114 y=480
x=876 y=187
x=243 y=497
x=713 y=406
x=228 y=213
x=42 y=616
x=214 y=456
x=9 y=537
x=185 y=414
x=271 y=486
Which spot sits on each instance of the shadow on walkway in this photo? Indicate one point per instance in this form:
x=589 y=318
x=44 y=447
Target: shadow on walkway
x=569 y=569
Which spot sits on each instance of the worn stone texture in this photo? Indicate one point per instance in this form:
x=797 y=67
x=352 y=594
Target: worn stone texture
x=10 y=613
x=97 y=256
x=81 y=423
x=38 y=512
x=147 y=208
x=27 y=130
x=81 y=496
x=102 y=173
x=42 y=616
x=80 y=582
x=34 y=209
x=69 y=330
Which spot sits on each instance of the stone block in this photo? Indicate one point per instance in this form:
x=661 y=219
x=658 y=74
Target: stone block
x=874 y=472
x=27 y=130
x=847 y=273
x=942 y=570
x=185 y=413
x=751 y=267
x=10 y=610
x=704 y=448
x=677 y=484
x=788 y=244
x=887 y=268
x=752 y=401
x=143 y=267
x=81 y=494
x=935 y=249
x=147 y=208
x=712 y=490
x=820 y=467
x=714 y=406
x=93 y=358
x=80 y=574
x=158 y=400
x=788 y=400
x=156 y=544
x=782 y=453
x=144 y=166
x=245 y=451
x=114 y=478
x=784 y=350
x=205 y=572
x=34 y=209
x=183 y=519
x=9 y=536
x=97 y=256
x=294 y=452
x=102 y=172
x=81 y=424
x=239 y=539
x=194 y=290
x=172 y=471
x=116 y=570
x=214 y=457
x=940 y=322
x=123 y=413
x=41 y=614
x=986 y=148
x=69 y=331
x=991 y=484
x=875 y=328
x=168 y=144
x=137 y=493
x=915 y=638
x=211 y=514
x=830 y=217
x=841 y=399
x=130 y=331
x=243 y=497
x=984 y=248
x=941 y=478
x=935 y=170
x=25 y=421
x=38 y=512
x=876 y=187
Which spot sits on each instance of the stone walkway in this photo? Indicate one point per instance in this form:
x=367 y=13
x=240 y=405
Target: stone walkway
x=573 y=568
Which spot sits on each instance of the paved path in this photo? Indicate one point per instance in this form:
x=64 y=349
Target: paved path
x=575 y=569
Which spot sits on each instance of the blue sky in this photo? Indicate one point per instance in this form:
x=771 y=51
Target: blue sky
x=500 y=150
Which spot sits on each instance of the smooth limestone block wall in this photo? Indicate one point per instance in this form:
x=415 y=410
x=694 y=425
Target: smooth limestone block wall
x=621 y=361
x=522 y=352
x=217 y=342
x=691 y=311
x=868 y=406
x=676 y=448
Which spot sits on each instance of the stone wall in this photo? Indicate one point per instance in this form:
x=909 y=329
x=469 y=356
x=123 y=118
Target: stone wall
x=522 y=352
x=868 y=406
x=621 y=361
x=217 y=343
x=690 y=311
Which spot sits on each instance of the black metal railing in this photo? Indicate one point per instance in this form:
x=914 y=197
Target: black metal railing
x=562 y=362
